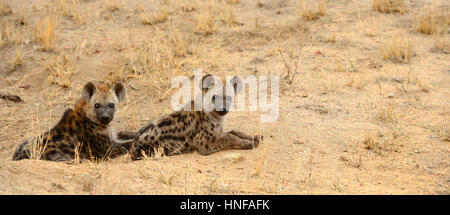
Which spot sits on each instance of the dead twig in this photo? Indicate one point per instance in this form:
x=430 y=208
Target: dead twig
x=14 y=98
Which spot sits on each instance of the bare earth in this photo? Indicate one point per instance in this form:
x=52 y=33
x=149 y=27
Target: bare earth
x=350 y=122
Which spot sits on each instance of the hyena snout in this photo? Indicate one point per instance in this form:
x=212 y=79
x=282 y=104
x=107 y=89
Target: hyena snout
x=105 y=116
x=222 y=104
x=105 y=119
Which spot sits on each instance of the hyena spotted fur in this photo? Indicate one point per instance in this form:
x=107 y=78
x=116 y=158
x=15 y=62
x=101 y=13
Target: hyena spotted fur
x=188 y=131
x=87 y=126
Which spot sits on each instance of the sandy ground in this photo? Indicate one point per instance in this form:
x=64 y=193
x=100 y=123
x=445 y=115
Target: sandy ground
x=350 y=121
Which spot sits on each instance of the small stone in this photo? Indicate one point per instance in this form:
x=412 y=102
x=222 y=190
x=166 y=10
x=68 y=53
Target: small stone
x=257 y=60
x=298 y=141
x=234 y=157
x=390 y=96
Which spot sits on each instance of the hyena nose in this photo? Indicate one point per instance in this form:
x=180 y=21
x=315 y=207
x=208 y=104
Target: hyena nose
x=105 y=119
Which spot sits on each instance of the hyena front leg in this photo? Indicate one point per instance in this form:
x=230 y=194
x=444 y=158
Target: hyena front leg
x=57 y=155
x=126 y=135
x=206 y=146
x=257 y=139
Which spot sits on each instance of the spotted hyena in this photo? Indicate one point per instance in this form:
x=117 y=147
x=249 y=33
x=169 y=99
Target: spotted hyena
x=85 y=130
x=187 y=131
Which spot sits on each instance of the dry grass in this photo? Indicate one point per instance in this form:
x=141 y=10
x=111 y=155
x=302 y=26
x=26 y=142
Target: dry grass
x=112 y=6
x=426 y=21
x=442 y=43
x=442 y=132
x=370 y=29
x=60 y=70
x=86 y=181
x=5 y=9
x=261 y=160
x=11 y=33
x=398 y=49
x=232 y=1
x=147 y=60
x=356 y=81
x=309 y=13
x=332 y=37
x=76 y=156
x=388 y=6
x=386 y=113
x=227 y=15
x=157 y=60
x=413 y=83
x=6 y=33
x=291 y=60
x=119 y=75
x=206 y=21
x=17 y=60
x=354 y=160
x=63 y=8
x=328 y=84
x=71 y=9
x=36 y=148
x=322 y=7
x=154 y=18
x=45 y=32
x=36 y=143
x=382 y=144
x=76 y=12
x=181 y=43
x=166 y=178
x=186 y=6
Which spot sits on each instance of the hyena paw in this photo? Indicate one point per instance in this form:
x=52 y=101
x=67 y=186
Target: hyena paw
x=257 y=139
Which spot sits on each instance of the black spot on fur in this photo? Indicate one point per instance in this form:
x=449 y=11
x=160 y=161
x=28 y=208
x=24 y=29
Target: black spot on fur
x=165 y=123
x=146 y=128
x=171 y=137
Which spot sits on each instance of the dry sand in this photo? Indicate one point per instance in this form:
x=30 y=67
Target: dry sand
x=350 y=121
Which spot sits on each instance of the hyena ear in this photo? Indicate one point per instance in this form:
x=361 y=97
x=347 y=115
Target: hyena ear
x=207 y=82
x=120 y=91
x=88 y=91
x=237 y=84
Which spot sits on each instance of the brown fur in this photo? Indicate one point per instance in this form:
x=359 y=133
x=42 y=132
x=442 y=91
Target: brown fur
x=80 y=126
x=188 y=131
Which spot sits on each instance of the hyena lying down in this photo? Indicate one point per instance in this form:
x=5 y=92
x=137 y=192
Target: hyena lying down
x=88 y=126
x=187 y=131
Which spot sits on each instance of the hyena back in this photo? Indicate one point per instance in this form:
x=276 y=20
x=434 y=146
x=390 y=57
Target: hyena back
x=86 y=128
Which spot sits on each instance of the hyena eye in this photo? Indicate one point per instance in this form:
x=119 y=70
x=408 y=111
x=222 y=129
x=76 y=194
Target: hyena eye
x=111 y=105
x=97 y=105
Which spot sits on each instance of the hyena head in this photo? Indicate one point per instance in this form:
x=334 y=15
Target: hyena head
x=218 y=97
x=100 y=102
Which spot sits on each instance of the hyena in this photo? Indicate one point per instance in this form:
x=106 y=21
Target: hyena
x=187 y=131
x=86 y=128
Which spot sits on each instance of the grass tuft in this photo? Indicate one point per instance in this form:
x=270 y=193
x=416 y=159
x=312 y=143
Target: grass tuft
x=398 y=49
x=388 y=6
x=45 y=32
x=60 y=71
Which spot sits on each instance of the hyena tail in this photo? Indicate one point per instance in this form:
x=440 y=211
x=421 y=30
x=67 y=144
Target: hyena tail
x=21 y=152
